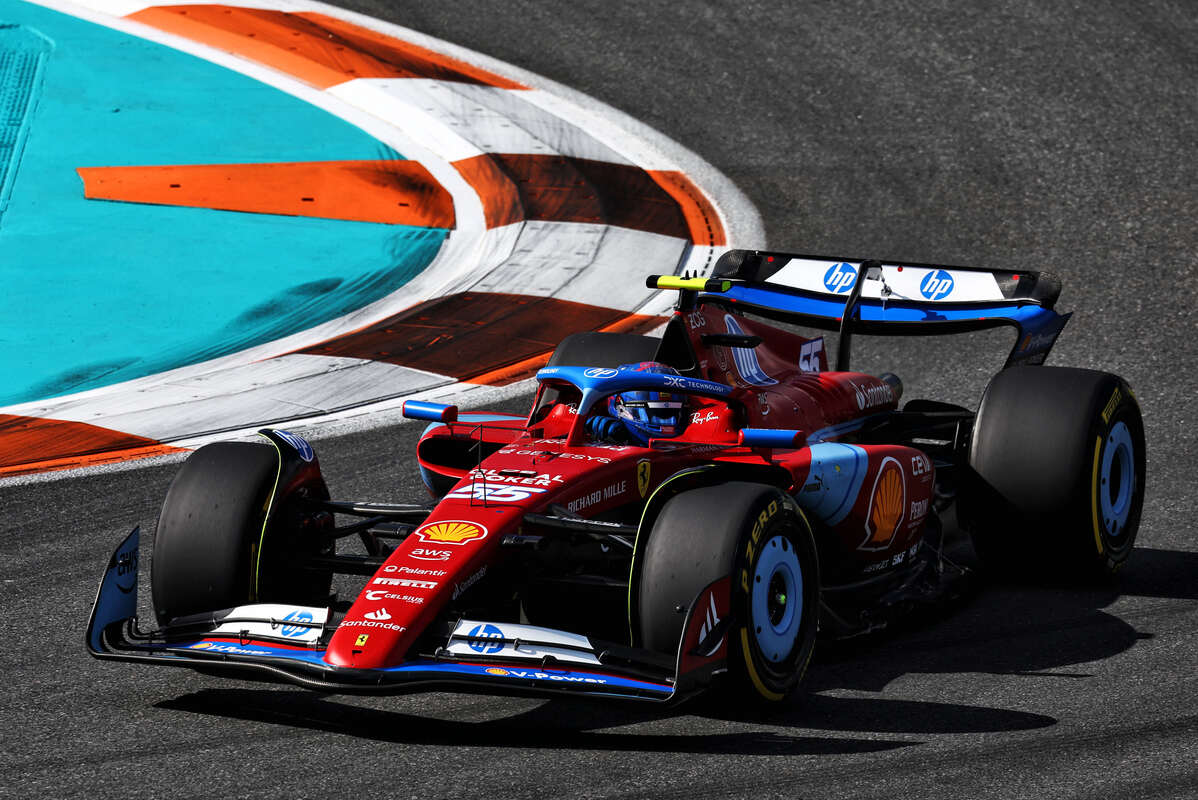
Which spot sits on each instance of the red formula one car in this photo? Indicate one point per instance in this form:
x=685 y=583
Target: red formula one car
x=673 y=514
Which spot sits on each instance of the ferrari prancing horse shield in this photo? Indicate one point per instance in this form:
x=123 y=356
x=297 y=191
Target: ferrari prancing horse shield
x=642 y=476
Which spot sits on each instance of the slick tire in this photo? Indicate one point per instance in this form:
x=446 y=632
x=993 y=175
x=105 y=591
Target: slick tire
x=211 y=550
x=756 y=536
x=1057 y=475
x=603 y=350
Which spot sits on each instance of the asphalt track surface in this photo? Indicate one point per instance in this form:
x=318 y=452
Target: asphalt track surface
x=1036 y=135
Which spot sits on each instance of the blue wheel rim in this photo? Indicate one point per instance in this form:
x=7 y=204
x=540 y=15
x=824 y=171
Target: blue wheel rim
x=777 y=599
x=1117 y=479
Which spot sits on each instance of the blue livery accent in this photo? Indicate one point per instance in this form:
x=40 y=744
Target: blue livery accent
x=298 y=443
x=769 y=437
x=436 y=412
x=746 y=357
x=596 y=383
x=431 y=670
x=834 y=481
x=117 y=598
x=872 y=309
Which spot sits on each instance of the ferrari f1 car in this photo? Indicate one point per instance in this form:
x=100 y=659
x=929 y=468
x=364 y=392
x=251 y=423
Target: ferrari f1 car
x=674 y=513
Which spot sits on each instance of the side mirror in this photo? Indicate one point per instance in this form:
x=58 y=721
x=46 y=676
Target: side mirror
x=770 y=437
x=432 y=412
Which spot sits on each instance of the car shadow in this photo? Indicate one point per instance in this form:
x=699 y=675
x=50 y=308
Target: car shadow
x=1006 y=629
x=1003 y=629
x=555 y=725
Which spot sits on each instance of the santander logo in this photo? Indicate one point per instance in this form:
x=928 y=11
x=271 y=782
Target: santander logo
x=381 y=614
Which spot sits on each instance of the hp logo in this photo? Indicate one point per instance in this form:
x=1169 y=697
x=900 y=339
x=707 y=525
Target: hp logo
x=291 y=631
x=936 y=285
x=839 y=277
x=486 y=632
x=599 y=372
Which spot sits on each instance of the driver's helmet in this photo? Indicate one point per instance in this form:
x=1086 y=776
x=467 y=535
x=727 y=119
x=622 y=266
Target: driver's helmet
x=649 y=414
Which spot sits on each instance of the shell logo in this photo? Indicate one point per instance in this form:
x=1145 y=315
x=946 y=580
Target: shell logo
x=497 y=671
x=451 y=531
x=886 y=505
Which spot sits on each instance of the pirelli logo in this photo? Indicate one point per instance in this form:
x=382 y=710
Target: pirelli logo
x=1111 y=405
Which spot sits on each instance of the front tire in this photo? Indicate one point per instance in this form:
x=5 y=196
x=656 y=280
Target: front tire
x=216 y=549
x=758 y=537
x=1058 y=473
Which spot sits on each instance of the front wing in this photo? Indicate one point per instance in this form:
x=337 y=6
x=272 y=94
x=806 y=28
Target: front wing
x=283 y=643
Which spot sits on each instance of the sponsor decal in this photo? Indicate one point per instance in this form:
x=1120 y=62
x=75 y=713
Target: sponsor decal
x=126 y=567
x=451 y=531
x=698 y=418
x=494 y=494
x=549 y=371
x=921 y=464
x=607 y=493
x=381 y=614
x=1106 y=412
x=711 y=618
x=745 y=358
x=936 y=285
x=893 y=561
x=809 y=360
x=296 y=630
x=763 y=404
x=1037 y=341
x=218 y=647
x=754 y=540
x=436 y=573
x=485 y=632
x=694 y=384
x=886 y=505
x=298 y=443
x=696 y=319
x=361 y=640
x=542 y=676
x=919 y=509
x=597 y=372
x=410 y=583
x=872 y=395
x=428 y=554
x=643 y=468
x=466 y=584
x=522 y=449
x=377 y=625
x=839 y=277
x=534 y=479
x=379 y=594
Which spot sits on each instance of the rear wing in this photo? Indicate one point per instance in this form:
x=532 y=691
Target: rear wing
x=883 y=298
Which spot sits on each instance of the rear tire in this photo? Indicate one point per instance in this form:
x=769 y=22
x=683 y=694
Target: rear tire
x=212 y=550
x=1058 y=473
x=603 y=350
x=757 y=536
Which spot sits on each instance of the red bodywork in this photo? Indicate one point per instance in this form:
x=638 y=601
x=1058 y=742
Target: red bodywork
x=865 y=523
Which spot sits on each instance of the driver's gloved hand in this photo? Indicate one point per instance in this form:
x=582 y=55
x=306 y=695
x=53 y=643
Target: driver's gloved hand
x=606 y=429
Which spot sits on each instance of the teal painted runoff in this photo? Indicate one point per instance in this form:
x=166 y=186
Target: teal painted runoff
x=98 y=292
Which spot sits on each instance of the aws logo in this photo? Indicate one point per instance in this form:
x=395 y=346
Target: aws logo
x=451 y=531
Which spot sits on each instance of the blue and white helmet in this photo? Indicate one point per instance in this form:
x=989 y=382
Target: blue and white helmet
x=649 y=414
